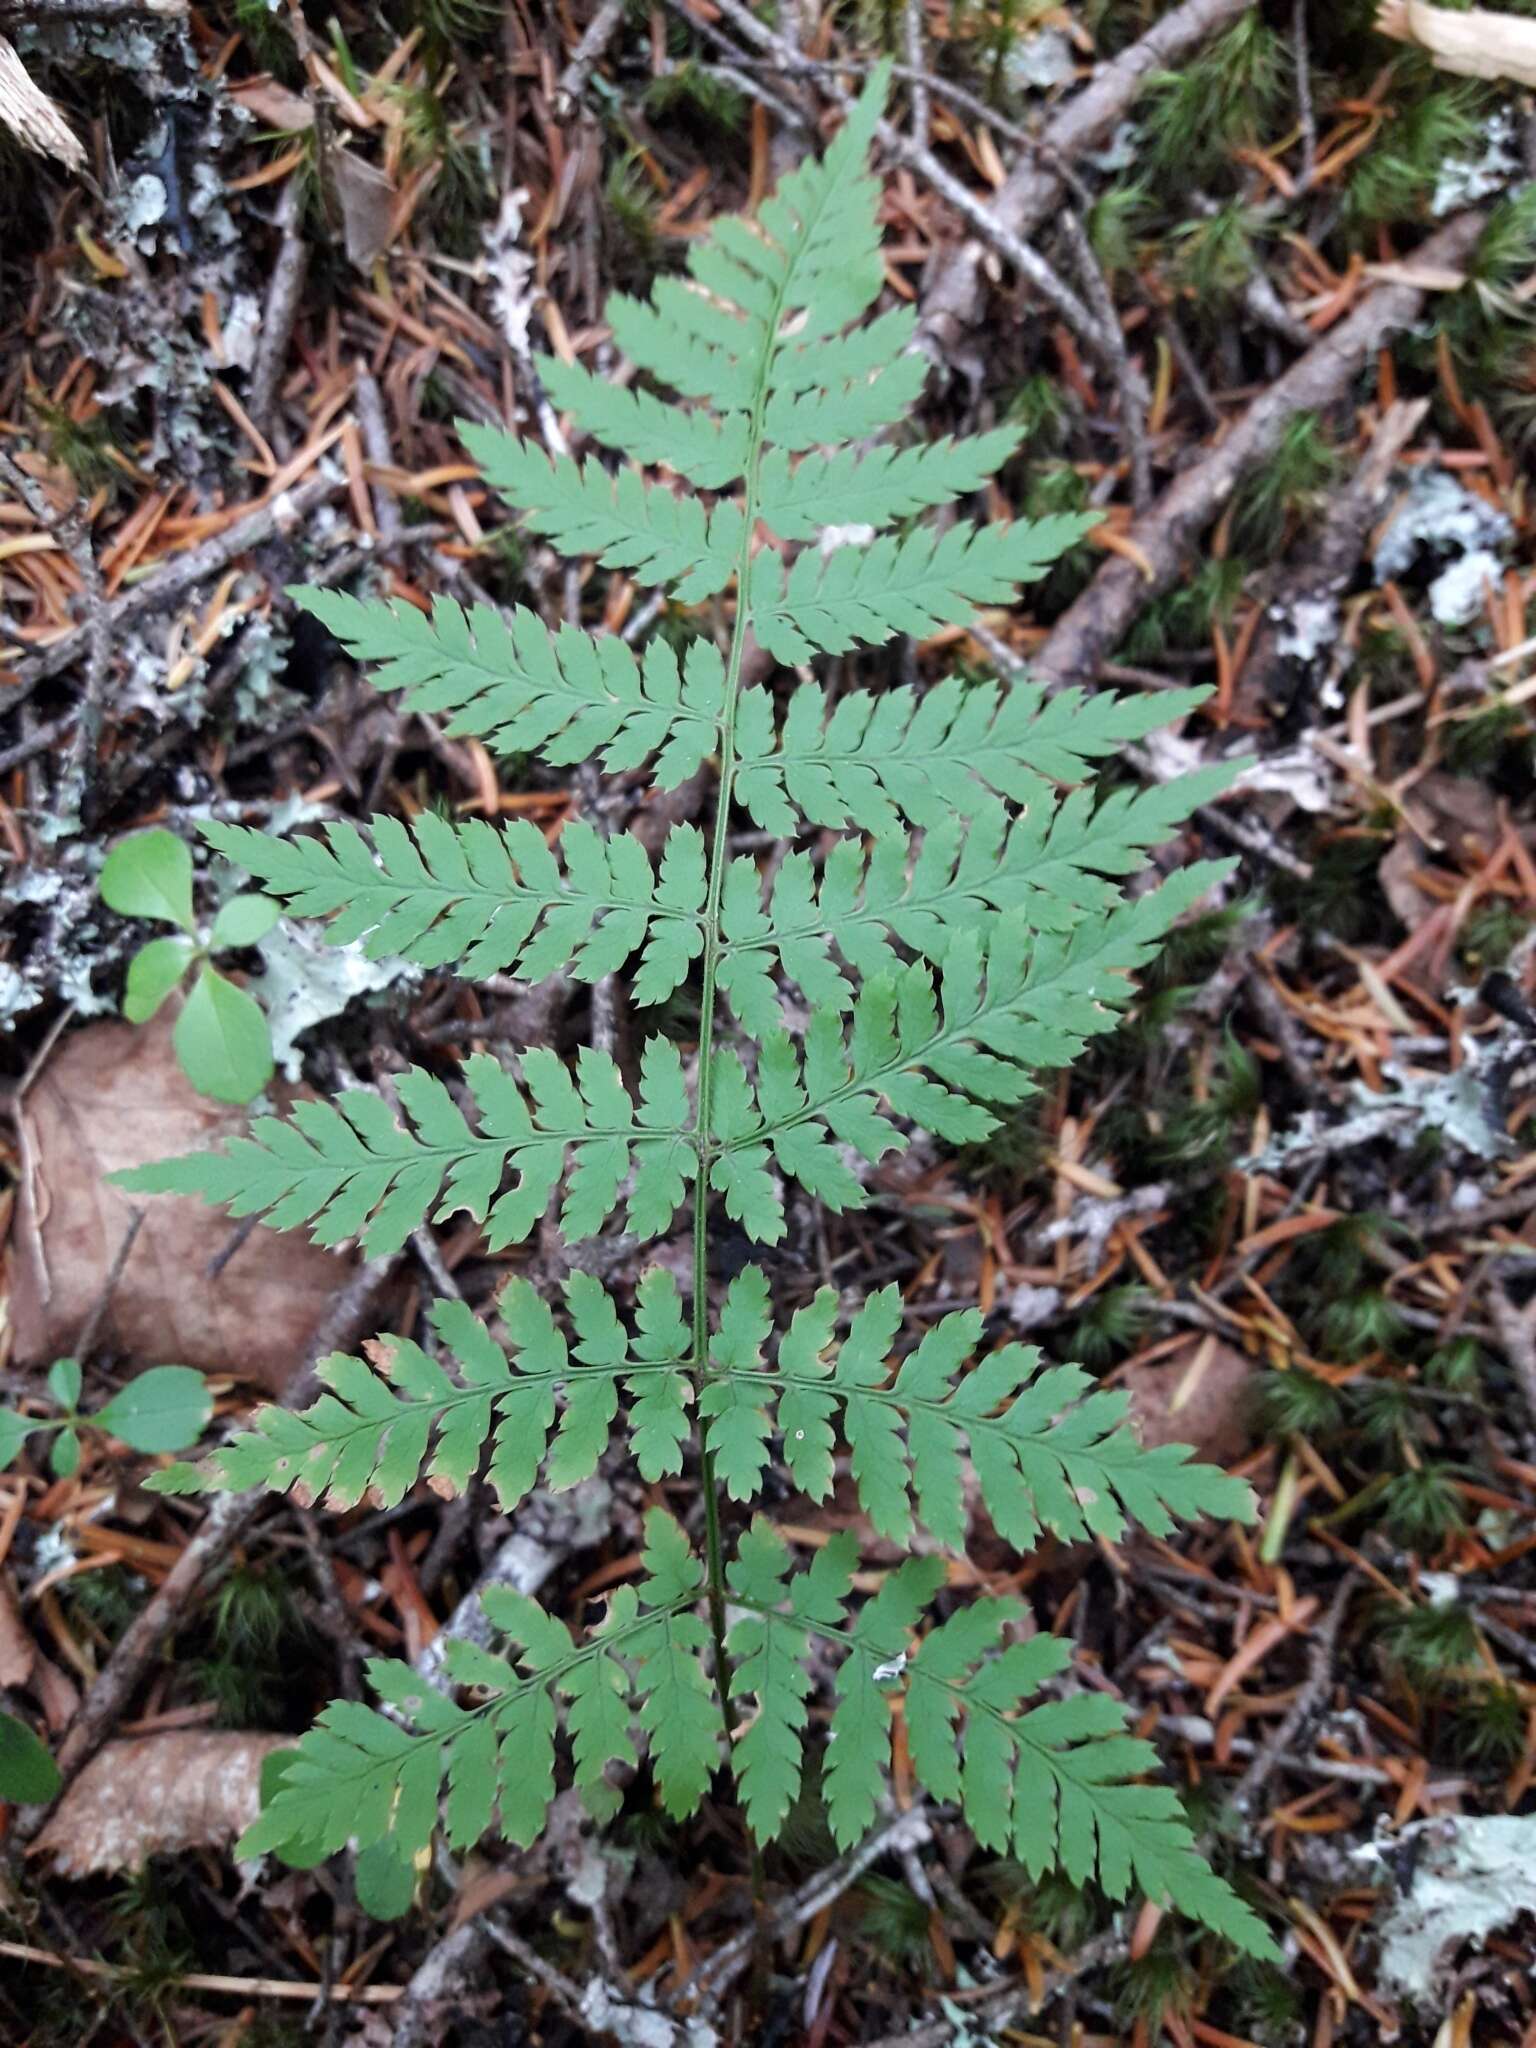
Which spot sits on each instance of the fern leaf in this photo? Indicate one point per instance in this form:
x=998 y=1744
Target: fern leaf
x=737 y=1423
x=768 y=1650
x=863 y=596
x=1055 y=1786
x=868 y=1680
x=795 y=420
x=927 y=1050
x=896 y=759
x=877 y=486
x=370 y=1777
x=1045 y=868
x=710 y=452
x=654 y=533
x=510 y=681
x=384 y=1425
x=1049 y=1449
x=491 y=900
x=354 y=1170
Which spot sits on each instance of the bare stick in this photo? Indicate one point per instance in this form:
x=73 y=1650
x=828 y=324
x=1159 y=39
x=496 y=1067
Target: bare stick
x=586 y=55
x=920 y=94
x=374 y=428
x=1135 y=399
x=180 y=573
x=90 y=1330
x=281 y=307
x=1304 y=109
x=74 y=536
x=1310 y=1696
x=907 y=1830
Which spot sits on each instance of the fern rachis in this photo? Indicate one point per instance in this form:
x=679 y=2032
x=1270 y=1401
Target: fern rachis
x=978 y=936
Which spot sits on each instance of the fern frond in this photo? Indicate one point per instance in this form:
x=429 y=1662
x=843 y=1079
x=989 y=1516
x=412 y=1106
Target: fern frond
x=354 y=1170
x=509 y=680
x=384 y=1425
x=367 y=1777
x=1048 y=1448
x=881 y=762
x=1045 y=868
x=863 y=596
x=655 y=534
x=492 y=900
x=876 y=486
x=927 y=1048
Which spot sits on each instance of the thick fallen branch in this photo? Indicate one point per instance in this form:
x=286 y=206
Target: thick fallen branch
x=1091 y=629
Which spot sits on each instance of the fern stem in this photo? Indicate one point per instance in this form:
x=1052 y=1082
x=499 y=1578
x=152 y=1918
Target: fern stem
x=714 y=1555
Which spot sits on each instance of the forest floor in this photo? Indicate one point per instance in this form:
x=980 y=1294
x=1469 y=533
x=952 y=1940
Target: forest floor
x=1256 y=282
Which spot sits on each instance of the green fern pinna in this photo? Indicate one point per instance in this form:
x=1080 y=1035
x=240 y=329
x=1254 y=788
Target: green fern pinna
x=964 y=931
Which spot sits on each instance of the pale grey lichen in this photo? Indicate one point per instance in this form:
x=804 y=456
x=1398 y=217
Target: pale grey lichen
x=1471 y=1874
x=1440 y=522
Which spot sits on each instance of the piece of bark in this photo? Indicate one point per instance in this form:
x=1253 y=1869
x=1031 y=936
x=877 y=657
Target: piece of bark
x=18 y=1652
x=1090 y=630
x=32 y=117
x=189 y=1789
x=1482 y=42
x=114 y=1096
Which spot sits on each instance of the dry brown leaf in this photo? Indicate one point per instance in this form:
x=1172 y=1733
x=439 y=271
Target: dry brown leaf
x=1204 y=1400
x=18 y=1652
x=1396 y=872
x=367 y=207
x=1481 y=43
x=191 y=1789
x=114 y=1096
x=32 y=117
x=274 y=105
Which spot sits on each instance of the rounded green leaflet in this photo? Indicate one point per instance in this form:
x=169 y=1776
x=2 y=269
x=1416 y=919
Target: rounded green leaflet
x=64 y=1458
x=28 y=1774
x=222 y=1040
x=14 y=1431
x=164 y=1409
x=244 y=920
x=153 y=972
x=64 y=1381
x=150 y=875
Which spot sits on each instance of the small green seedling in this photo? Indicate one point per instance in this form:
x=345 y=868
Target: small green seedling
x=164 y=1409
x=221 y=1036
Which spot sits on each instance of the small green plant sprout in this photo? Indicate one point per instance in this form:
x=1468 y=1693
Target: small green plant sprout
x=221 y=1035
x=164 y=1409
x=954 y=919
x=28 y=1774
